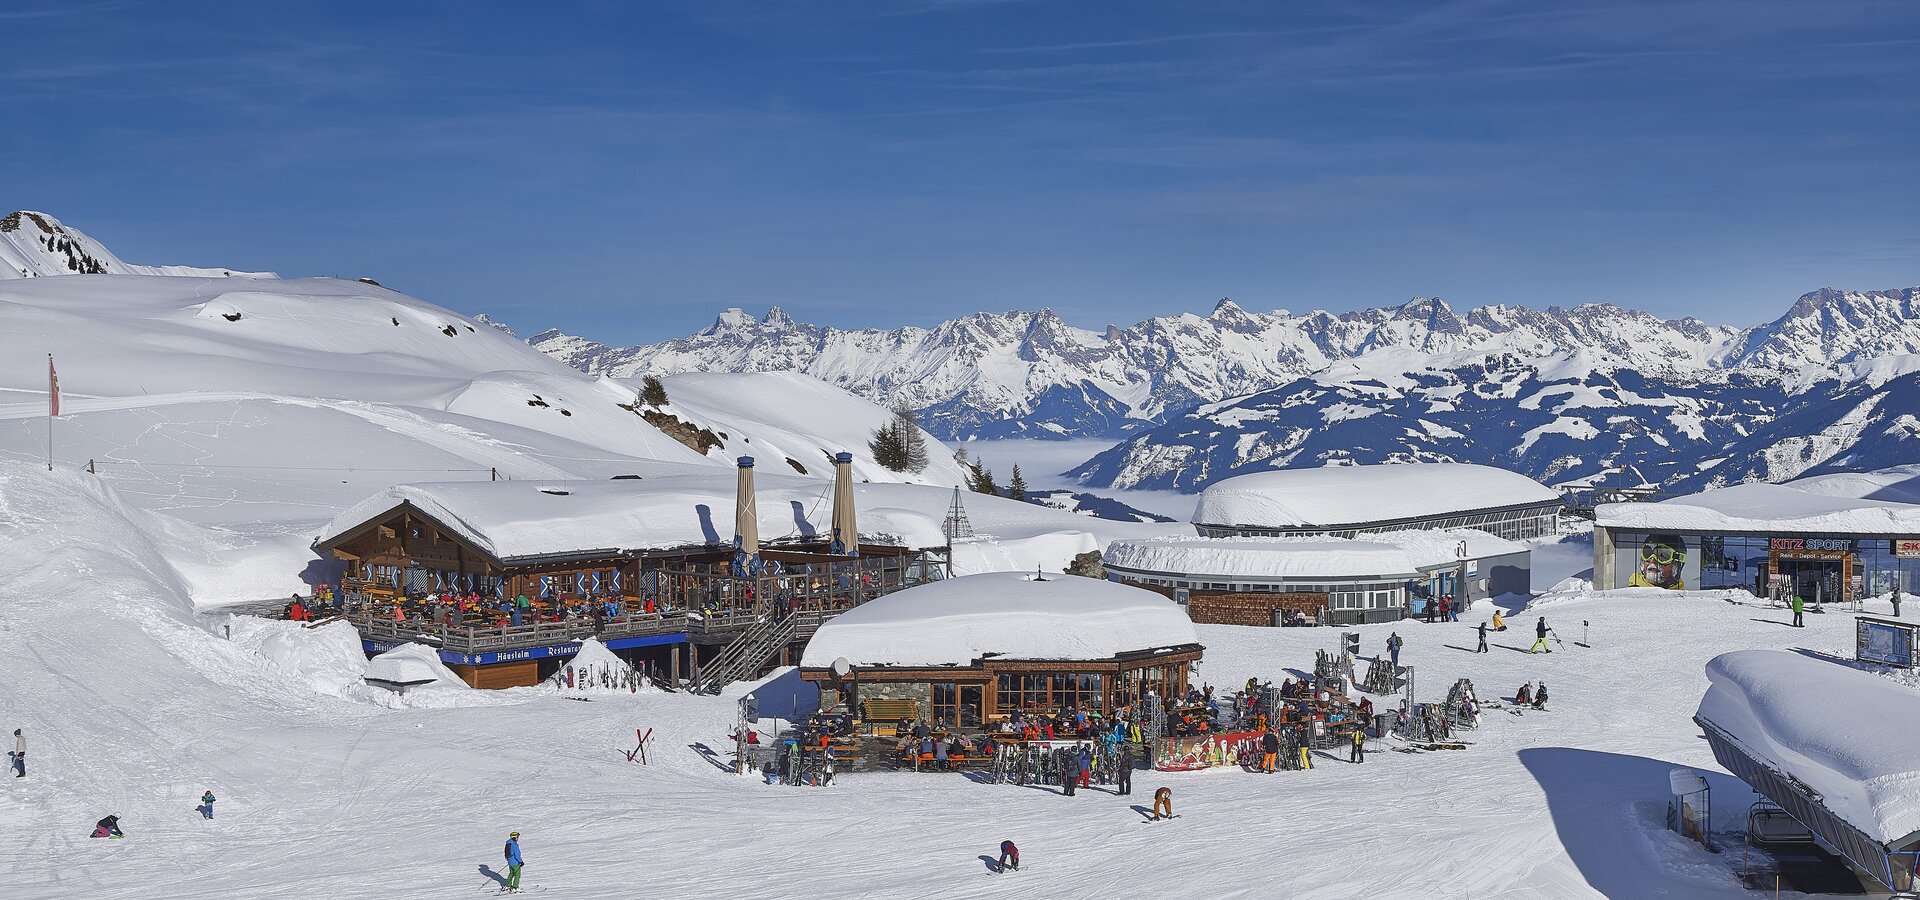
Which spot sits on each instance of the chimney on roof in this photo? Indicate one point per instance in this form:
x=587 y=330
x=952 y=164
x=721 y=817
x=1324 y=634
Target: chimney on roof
x=746 y=523
x=846 y=532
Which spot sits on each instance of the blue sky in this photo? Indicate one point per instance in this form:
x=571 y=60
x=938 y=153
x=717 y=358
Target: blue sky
x=625 y=170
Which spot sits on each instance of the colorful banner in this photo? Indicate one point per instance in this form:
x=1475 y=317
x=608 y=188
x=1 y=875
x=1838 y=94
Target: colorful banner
x=1195 y=752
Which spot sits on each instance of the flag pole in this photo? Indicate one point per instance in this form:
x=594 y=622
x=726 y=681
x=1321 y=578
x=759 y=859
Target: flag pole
x=53 y=407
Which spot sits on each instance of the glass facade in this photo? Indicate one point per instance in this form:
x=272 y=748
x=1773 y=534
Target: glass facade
x=1046 y=693
x=1816 y=568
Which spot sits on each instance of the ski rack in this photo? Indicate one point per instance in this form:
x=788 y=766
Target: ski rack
x=1463 y=705
x=1332 y=672
x=1381 y=677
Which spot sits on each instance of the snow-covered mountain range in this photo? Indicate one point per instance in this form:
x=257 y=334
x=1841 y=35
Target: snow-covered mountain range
x=1568 y=395
x=1031 y=374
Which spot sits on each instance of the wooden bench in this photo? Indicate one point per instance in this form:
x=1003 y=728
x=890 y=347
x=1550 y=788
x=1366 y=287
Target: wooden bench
x=882 y=716
x=965 y=760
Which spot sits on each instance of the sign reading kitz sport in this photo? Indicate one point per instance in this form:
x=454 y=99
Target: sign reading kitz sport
x=1825 y=545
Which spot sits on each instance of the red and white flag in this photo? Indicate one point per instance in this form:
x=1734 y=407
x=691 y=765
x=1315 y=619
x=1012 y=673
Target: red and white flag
x=53 y=388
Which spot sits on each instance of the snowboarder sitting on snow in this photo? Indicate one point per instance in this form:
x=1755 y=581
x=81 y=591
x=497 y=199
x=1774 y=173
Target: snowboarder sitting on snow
x=1163 y=803
x=1009 y=857
x=1524 y=696
x=1540 y=697
x=108 y=827
x=1499 y=624
x=514 y=862
x=206 y=804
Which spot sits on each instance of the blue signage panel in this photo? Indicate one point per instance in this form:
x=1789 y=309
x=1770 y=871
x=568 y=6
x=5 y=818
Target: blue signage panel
x=1884 y=642
x=651 y=640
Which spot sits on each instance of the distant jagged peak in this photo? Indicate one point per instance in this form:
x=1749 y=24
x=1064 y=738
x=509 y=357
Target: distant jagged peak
x=778 y=318
x=497 y=325
x=1826 y=300
x=733 y=318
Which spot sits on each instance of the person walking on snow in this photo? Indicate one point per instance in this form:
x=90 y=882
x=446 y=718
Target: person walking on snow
x=1799 y=607
x=1393 y=648
x=1454 y=608
x=1070 y=771
x=1483 y=638
x=1539 y=636
x=1124 y=776
x=206 y=804
x=1086 y=766
x=19 y=754
x=1163 y=803
x=514 y=862
x=1269 y=751
x=1009 y=857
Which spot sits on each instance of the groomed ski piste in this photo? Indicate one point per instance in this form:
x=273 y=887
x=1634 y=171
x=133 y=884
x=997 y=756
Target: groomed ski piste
x=133 y=705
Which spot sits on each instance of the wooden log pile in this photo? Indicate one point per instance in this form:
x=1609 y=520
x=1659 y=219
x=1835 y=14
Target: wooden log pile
x=1227 y=608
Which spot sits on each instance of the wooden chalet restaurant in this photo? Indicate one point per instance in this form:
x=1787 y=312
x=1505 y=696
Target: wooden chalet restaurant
x=970 y=650
x=635 y=563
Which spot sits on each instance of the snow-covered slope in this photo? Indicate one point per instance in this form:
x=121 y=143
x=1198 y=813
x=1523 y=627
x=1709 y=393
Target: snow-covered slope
x=793 y=423
x=34 y=244
x=261 y=407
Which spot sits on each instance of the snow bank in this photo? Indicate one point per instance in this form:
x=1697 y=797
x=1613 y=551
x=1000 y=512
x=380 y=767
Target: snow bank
x=1291 y=558
x=1765 y=508
x=1346 y=495
x=329 y=658
x=1847 y=734
x=413 y=663
x=1014 y=616
x=1396 y=554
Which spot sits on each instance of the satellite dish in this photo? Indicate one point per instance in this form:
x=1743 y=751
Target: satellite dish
x=841 y=668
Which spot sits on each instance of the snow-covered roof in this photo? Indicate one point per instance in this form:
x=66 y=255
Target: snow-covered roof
x=1008 y=614
x=412 y=664
x=536 y=518
x=1765 y=507
x=684 y=506
x=1807 y=718
x=1398 y=554
x=1350 y=495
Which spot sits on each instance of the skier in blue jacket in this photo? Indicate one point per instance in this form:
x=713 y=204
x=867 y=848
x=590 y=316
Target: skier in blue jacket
x=514 y=862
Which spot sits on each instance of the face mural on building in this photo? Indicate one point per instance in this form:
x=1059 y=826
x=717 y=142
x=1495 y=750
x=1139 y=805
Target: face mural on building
x=1662 y=557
